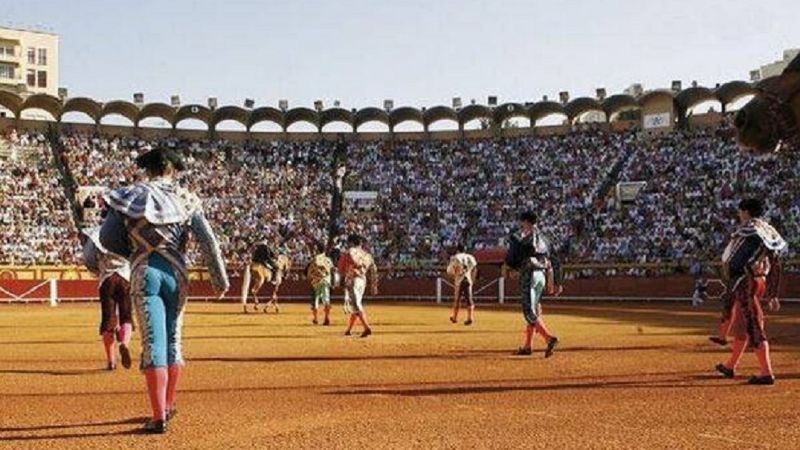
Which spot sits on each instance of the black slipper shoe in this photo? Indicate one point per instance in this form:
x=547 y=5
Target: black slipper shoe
x=767 y=380
x=718 y=340
x=125 y=356
x=726 y=372
x=155 y=427
x=551 y=347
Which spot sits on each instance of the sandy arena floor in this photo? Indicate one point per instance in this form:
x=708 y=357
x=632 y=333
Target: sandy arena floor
x=637 y=377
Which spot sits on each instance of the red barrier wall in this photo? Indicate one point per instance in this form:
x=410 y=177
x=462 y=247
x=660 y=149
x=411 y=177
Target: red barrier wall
x=411 y=288
x=20 y=287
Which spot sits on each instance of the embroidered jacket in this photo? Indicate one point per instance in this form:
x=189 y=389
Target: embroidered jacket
x=357 y=263
x=533 y=252
x=319 y=269
x=157 y=216
x=754 y=250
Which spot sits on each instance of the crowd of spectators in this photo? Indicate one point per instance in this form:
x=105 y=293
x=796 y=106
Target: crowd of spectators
x=277 y=191
x=419 y=199
x=36 y=223
x=687 y=209
x=434 y=195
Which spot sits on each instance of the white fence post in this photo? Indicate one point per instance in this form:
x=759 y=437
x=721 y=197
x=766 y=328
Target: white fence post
x=501 y=290
x=438 y=289
x=53 y=293
x=245 y=284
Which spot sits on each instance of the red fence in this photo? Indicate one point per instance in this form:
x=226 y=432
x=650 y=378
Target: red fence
x=406 y=288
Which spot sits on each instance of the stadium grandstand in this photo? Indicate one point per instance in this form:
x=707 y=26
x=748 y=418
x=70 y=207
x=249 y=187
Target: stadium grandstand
x=399 y=225
x=427 y=191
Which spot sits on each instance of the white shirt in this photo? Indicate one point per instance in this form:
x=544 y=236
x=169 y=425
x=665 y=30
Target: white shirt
x=461 y=266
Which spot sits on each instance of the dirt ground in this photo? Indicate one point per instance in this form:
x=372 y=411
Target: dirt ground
x=637 y=377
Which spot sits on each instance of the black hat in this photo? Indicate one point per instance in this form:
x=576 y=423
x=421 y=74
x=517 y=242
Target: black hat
x=753 y=206
x=156 y=160
x=354 y=240
x=528 y=216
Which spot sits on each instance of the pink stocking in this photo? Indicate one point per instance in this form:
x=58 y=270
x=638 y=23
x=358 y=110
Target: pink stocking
x=125 y=334
x=327 y=312
x=739 y=346
x=174 y=372
x=157 y=390
x=108 y=345
x=353 y=318
x=541 y=328
x=762 y=353
x=529 y=330
x=362 y=316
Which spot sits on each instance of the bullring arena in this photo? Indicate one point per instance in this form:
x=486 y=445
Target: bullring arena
x=627 y=376
x=642 y=219
x=634 y=370
x=630 y=374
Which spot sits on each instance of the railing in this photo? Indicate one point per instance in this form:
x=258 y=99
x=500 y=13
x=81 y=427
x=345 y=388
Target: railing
x=78 y=272
x=51 y=284
x=26 y=297
x=499 y=281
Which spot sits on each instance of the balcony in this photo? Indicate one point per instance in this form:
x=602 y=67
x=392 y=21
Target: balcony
x=10 y=58
x=16 y=79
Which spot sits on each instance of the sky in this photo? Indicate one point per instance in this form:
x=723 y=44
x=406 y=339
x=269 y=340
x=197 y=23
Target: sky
x=419 y=53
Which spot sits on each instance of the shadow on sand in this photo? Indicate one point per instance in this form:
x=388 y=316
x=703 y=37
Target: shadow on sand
x=133 y=420
x=781 y=326
x=73 y=435
x=51 y=372
x=679 y=382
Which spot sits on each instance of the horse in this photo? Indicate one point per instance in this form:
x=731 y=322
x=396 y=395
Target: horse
x=770 y=122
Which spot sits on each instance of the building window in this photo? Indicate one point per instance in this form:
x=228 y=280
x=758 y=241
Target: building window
x=7 y=51
x=42 y=57
x=31 y=78
x=31 y=55
x=42 y=79
x=7 y=72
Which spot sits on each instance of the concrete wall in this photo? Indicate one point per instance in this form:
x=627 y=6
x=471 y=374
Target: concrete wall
x=241 y=136
x=658 y=103
x=708 y=120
